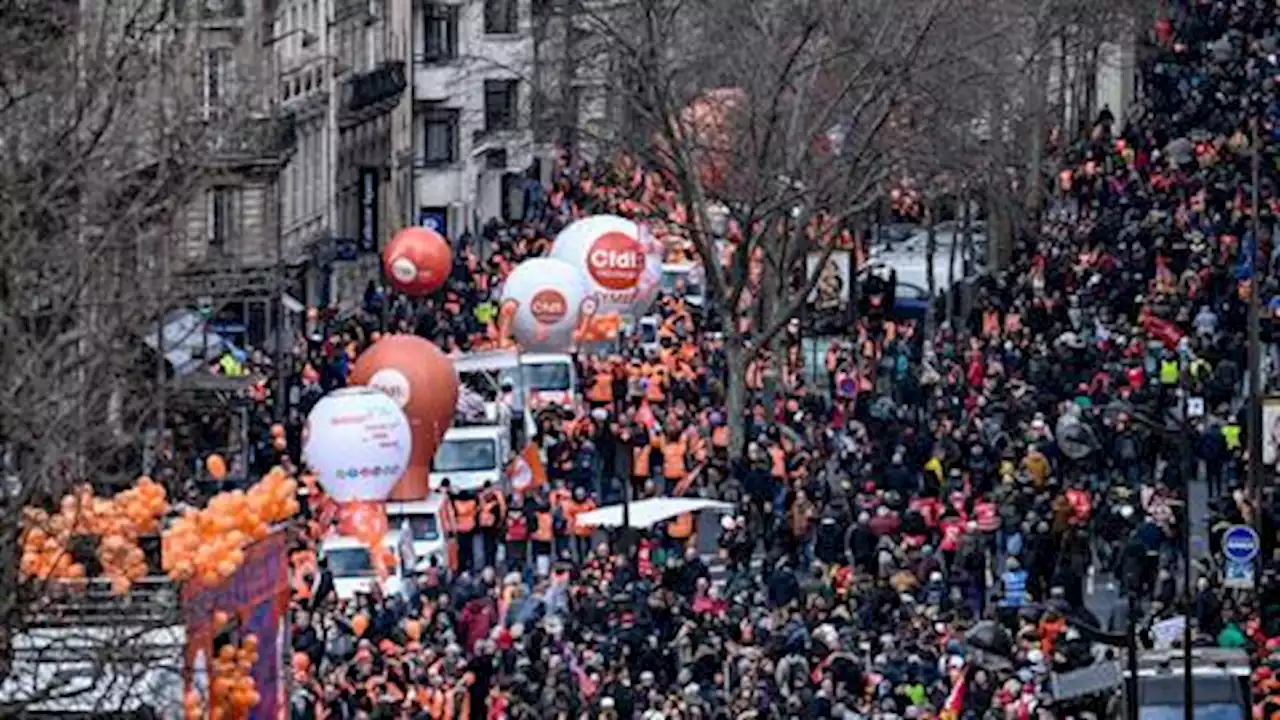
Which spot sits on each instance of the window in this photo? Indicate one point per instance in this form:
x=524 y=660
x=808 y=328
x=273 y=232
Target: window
x=440 y=33
x=500 y=112
x=465 y=456
x=223 y=9
x=217 y=79
x=347 y=563
x=440 y=142
x=423 y=528
x=224 y=219
x=501 y=17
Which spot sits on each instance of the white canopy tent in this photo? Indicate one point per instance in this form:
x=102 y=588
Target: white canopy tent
x=647 y=513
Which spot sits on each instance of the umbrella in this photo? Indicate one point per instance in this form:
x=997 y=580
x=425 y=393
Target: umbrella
x=991 y=637
x=1075 y=439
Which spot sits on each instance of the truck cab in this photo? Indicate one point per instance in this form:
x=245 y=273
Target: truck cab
x=471 y=456
x=548 y=378
x=420 y=520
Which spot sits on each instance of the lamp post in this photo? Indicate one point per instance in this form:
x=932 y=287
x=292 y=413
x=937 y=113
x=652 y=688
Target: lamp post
x=1254 y=468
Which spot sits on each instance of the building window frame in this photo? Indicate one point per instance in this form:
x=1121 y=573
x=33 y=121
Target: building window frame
x=501 y=17
x=445 y=152
x=225 y=211
x=501 y=104
x=439 y=33
x=219 y=65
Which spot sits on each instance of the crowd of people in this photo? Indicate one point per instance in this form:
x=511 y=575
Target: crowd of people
x=915 y=529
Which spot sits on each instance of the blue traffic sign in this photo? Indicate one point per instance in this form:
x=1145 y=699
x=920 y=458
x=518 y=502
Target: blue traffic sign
x=1240 y=544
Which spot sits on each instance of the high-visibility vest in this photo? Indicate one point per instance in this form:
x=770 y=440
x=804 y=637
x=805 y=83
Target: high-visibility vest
x=1169 y=372
x=640 y=461
x=575 y=509
x=720 y=436
x=681 y=528
x=601 y=388
x=231 y=367
x=653 y=390
x=545 y=531
x=1015 y=588
x=465 y=512
x=490 y=509
x=1231 y=434
x=673 y=459
x=777 y=463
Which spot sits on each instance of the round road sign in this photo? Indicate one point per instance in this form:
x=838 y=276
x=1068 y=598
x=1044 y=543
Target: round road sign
x=1240 y=543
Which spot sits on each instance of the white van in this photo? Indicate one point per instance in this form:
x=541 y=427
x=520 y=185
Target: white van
x=470 y=456
x=351 y=564
x=421 y=519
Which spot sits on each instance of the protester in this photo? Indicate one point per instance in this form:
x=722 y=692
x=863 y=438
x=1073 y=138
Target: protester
x=914 y=532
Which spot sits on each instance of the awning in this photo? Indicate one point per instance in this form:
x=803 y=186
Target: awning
x=647 y=513
x=188 y=342
x=292 y=304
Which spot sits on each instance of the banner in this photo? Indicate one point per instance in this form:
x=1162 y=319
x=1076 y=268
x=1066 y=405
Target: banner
x=256 y=598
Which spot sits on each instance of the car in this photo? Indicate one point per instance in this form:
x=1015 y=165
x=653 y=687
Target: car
x=421 y=520
x=351 y=564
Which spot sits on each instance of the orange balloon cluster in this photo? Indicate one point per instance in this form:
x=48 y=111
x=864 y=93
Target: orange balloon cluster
x=123 y=562
x=44 y=549
x=232 y=691
x=117 y=523
x=208 y=544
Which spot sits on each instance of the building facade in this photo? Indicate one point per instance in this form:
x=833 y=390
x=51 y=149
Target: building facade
x=470 y=140
x=226 y=260
x=341 y=72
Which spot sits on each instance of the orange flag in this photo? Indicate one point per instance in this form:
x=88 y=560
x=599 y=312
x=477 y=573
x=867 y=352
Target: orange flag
x=526 y=470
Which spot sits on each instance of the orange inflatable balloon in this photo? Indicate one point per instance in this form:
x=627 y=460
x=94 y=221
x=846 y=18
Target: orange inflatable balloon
x=217 y=466
x=417 y=261
x=421 y=378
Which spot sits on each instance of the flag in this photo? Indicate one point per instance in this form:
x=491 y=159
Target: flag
x=526 y=470
x=954 y=706
x=683 y=486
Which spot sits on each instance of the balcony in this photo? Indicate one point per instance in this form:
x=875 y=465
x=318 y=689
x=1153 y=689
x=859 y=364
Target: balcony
x=371 y=94
x=253 y=141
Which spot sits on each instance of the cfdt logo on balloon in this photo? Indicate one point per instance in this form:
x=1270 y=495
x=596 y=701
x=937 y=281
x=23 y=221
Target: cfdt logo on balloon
x=616 y=261
x=549 y=307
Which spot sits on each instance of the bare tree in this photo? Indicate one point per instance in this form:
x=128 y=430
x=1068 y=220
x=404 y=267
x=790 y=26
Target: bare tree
x=108 y=137
x=774 y=110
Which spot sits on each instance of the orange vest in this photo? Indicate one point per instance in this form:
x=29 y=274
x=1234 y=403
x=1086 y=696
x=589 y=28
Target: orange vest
x=673 y=459
x=778 y=463
x=640 y=461
x=465 y=511
x=681 y=528
x=572 y=510
x=545 y=531
x=653 y=391
x=601 y=390
x=491 y=507
x=720 y=436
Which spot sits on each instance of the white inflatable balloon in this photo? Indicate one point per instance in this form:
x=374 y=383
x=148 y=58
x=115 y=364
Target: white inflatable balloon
x=620 y=261
x=549 y=294
x=357 y=441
